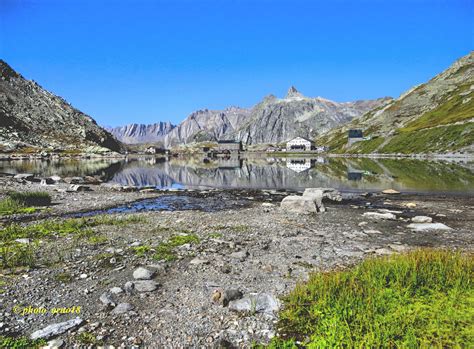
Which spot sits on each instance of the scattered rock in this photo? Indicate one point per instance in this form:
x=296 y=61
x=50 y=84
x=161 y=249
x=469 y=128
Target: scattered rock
x=390 y=191
x=145 y=285
x=225 y=296
x=298 y=204
x=129 y=287
x=240 y=255
x=116 y=290
x=143 y=274
x=23 y=241
x=198 y=261
x=378 y=216
x=78 y=187
x=24 y=176
x=122 y=308
x=410 y=205
x=428 y=226
x=56 y=329
x=256 y=303
x=106 y=299
x=422 y=219
x=54 y=344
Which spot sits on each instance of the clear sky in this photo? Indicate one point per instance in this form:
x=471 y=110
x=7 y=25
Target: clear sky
x=147 y=61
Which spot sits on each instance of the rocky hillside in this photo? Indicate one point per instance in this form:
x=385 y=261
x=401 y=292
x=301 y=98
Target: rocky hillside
x=434 y=117
x=277 y=120
x=207 y=125
x=140 y=133
x=32 y=118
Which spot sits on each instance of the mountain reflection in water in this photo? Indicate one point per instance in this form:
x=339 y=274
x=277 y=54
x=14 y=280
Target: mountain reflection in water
x=264 y=172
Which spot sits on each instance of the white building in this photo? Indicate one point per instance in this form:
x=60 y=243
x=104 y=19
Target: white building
x=299 y=144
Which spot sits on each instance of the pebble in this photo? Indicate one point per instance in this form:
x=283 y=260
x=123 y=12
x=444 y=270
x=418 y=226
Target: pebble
x=145 y=285
x=422 y=219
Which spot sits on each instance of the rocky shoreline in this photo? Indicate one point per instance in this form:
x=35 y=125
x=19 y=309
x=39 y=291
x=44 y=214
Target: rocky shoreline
x=200 y=278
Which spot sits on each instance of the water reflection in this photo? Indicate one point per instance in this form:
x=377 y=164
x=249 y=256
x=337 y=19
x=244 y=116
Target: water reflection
x=263 y=172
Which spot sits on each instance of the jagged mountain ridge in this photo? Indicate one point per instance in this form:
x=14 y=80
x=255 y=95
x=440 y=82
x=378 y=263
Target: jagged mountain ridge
x=277 y=120
x=31 y=117
x=273 y=120
x=140 y=133
x=433 y=117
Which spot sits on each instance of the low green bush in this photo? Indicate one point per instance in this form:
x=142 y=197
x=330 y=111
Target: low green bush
x=421 y=299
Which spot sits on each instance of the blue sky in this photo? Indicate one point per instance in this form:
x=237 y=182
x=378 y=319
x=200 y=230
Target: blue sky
x=147 y=61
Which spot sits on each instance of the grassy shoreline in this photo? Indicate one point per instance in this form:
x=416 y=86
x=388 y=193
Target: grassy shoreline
x=424 y=298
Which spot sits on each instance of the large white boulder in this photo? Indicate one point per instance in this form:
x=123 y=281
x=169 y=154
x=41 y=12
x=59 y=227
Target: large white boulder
x=298 y=204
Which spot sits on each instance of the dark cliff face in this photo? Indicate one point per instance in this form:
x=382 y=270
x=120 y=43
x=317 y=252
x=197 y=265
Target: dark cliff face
x=30 y=116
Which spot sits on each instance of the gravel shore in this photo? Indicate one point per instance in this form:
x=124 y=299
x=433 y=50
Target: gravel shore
x=237 y=244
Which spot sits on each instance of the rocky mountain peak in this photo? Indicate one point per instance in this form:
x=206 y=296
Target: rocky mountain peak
x=7 y=72
x=293 y=92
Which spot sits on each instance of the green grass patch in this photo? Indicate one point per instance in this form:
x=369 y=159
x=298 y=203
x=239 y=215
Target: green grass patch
x=14 y=254
x=16 y=202
x=87 y=338
x=450 y=111
x=21 y=343
x=165 y=250
x=141 y=251
x=35 y=198
x=424 y=299
x=366 y=147
x=438 y=139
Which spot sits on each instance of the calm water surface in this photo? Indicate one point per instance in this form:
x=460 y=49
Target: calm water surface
x=267 y=172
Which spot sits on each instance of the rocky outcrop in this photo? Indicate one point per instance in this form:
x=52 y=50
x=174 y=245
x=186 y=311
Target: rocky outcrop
x=31 y=117
x=140 y=133
x=277 y=120
x=207 y=125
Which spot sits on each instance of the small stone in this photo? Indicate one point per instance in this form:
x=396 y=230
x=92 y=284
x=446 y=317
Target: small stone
x=410 y=205
x=378 y=216
x=83 y=276
x=23 y=241
x=122 y=308
x=240 y=255
x=142 y=274
x=106 y=299
x=54 y=344
x=129 y=287
x=198 y=261
x=116 y=290
x=145 y=285
x=422 y=219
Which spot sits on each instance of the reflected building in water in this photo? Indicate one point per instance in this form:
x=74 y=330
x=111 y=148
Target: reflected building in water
x=304 y=164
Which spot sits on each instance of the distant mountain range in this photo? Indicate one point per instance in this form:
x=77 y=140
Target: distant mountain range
x=32 y=118
x=139 y=133
x=273 y=120
x=434 y=117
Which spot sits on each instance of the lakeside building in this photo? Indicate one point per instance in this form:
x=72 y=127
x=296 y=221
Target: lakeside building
x=229 y=146
x=355 y=135
x=299 y=144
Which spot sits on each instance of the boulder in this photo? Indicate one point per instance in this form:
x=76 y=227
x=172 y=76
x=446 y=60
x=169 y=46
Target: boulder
x=56 y=329
x=318 y=194
x=298 y=204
